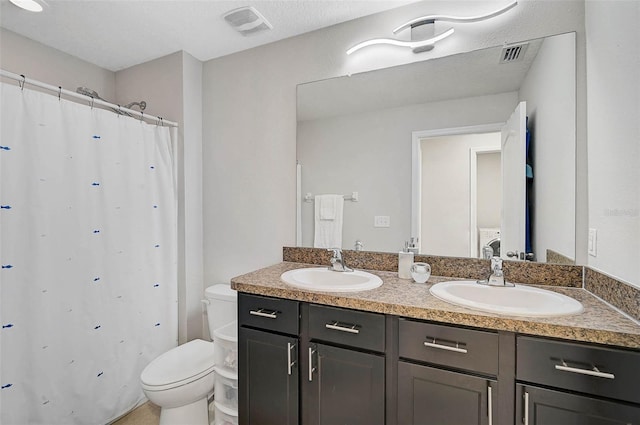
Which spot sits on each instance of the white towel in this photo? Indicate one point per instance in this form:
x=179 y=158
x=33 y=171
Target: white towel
x=327 y=205
x=328 y=221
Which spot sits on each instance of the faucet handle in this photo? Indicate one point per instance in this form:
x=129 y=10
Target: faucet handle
x=496 y=264
x=336 y=255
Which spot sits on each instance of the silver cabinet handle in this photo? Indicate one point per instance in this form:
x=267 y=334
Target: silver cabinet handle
x=594 y=372
x=264 y=313
x=456 y=349
x=290 y=363
x=490 y=406
x=311 y=368
x=526 y=408
x=336 y=326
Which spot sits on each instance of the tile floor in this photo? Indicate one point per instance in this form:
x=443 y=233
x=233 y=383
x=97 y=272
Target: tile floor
x=146 y=414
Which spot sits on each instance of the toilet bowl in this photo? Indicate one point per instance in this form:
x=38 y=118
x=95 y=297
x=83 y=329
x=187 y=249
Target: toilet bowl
x=180 y=380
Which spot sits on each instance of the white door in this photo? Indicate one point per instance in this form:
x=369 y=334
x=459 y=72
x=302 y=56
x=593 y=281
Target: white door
x=512 y=225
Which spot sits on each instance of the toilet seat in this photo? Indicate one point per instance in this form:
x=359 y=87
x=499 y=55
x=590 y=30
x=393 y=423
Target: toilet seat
x=179 y=366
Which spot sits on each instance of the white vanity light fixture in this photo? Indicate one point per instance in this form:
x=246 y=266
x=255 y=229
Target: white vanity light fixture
x=416 y=46
x=30 y=5
x=424 y=26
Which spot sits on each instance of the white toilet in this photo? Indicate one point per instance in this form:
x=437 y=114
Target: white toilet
x=180 y=380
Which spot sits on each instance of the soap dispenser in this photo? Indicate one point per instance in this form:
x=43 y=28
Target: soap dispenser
x=405 y=260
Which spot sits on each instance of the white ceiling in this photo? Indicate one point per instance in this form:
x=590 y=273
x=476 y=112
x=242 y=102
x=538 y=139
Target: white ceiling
x=476 y=73
x=117 y=34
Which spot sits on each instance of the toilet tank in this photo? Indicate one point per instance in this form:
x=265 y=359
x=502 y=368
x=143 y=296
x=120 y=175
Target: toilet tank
x=222 y=306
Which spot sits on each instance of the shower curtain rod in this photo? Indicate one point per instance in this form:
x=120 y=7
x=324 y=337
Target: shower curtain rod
x=22 y=80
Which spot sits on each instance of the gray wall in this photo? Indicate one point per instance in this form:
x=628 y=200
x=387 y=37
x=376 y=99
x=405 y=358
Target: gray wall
x=249 y=114
x=551 y=105
x=21 y=55
x=613 y=66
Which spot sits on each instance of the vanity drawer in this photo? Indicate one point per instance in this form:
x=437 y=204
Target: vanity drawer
x=606 y=372
x=460 y=348
x=347 y=327
x=272 y=314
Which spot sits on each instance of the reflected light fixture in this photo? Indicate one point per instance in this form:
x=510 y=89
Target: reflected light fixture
x=422 y=31
x=30 y=5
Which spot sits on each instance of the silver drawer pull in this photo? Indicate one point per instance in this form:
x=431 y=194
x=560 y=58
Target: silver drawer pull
x=312 y=369
x=290 y=363
x=489 y=404
x=336 y=326
x=270 y=314
x=456 y=349
x=593 y=372
x=526 y=408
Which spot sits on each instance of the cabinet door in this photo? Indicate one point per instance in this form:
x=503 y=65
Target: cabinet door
x=343 y=387
x=428 y=395
x=538 y=406
x=267 y=378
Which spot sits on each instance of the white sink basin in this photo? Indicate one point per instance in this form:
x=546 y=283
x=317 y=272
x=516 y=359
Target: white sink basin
x=512 y=301
x=324 y=280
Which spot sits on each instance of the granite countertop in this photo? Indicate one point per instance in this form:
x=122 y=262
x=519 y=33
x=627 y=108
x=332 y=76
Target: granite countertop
x=598 y=323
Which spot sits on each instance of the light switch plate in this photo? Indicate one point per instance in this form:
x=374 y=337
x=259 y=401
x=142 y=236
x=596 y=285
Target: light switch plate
x=593 y=242
x=381 y=221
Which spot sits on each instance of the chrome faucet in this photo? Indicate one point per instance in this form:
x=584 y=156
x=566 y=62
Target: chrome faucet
x=496 y=278
x=337 y=261
x=487 y=252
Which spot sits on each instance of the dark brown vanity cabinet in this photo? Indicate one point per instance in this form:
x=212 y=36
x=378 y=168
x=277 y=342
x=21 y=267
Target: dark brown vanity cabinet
x=569 y=383
x=310 y=364
x=447 y=375
x=268 y=367
x=344 y=381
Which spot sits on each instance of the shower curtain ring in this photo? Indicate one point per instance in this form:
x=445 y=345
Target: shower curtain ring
x=24 y=80
x=119 y=111
x=161 y=122
x=59 y=92
x=92 y=102
x=141 y=115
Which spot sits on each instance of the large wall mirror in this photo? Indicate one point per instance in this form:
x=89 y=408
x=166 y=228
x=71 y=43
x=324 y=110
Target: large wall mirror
x=428 y=148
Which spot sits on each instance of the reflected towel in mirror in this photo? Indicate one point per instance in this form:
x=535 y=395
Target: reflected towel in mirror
x=328 y=221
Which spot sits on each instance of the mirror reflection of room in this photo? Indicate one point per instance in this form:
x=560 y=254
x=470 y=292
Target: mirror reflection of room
x=358 y=134
x=477 y=193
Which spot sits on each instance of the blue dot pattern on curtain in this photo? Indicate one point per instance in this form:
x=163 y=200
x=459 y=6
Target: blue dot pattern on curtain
x=79 y=217
x=6 y=266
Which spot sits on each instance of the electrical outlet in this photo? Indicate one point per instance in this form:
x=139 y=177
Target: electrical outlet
x=381 y=221
x=593 y=243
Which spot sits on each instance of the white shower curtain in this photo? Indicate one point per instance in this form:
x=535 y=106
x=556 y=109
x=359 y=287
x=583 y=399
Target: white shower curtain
x=89 y=260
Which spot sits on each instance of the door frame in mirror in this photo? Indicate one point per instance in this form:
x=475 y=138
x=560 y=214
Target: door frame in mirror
x=416 y=167
x=474 y=252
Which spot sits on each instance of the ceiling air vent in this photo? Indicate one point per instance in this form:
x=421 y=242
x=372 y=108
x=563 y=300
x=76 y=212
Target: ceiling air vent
x=513 y=53
x=247 y=20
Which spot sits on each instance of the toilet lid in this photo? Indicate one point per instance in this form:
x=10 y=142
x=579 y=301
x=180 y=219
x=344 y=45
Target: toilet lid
x=221 y=292
x=179 y=364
